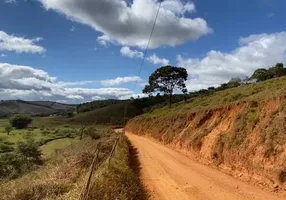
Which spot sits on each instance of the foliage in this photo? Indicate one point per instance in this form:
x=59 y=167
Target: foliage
x=278 y=70
x=273 y=72
x=8 y=129
x=261 y=75
x=70 y=114
x=4 y=148
x=30 y=150
x=20 y=121
x=234 y=82
x=14 y=164
x=166 y=79
x=93 y=133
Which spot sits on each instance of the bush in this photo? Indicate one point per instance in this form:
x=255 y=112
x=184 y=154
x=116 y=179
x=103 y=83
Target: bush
x=93 y=133
x=16 y=163
x=4 y=148
x=8 y=129
x=11 y=165
x=30 y=150
x=20 y=121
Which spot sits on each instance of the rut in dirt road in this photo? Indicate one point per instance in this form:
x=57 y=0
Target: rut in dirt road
x=170 y=175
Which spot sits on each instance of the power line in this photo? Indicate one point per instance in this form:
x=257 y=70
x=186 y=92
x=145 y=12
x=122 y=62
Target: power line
x=145 y=53
x=148 y=44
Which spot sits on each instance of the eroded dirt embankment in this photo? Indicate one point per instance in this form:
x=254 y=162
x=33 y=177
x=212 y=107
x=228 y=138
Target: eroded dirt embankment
x=246 y=139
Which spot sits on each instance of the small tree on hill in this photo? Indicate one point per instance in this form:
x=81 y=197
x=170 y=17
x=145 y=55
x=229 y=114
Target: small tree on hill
x=20 y=121
x=262 y=75
x=234 y=82
x=277 y=70
x=8 y=129
x=166 y=79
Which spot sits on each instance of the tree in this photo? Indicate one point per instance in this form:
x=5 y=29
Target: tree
x=8 y=129
x=20 y=121
x=262 y=75
x=166 y=79
x=277 y=70
x=70 y=114
x=234 y=82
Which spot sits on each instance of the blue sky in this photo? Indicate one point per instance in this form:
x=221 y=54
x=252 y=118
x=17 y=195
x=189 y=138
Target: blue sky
x=80 y=51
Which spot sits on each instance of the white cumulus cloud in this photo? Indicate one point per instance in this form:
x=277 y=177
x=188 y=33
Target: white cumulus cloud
x=129 y=22
x=126 y=51
x=157 y=61
x=120 y=80
x=255 y=51
x=154 y=59
x=28 y=83
x=19 y=44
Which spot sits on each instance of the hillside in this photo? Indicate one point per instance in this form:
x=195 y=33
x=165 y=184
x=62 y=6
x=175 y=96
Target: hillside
x=37 y=108
x=241 y=130
x=113 y=111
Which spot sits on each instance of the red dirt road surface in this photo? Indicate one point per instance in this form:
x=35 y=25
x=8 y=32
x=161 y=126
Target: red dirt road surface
x=170 y=175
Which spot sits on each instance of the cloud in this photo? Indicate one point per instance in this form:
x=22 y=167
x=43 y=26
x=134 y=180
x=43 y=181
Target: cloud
x=72 y=29
x=178 y=7
x=19 y=44
x=120 y=80
x=129 y=22
x=28 y=83
x=3 y=55
x=135 y=96
x=156 y=60
x=255 y=51
x=10 y=1
x=126 y=51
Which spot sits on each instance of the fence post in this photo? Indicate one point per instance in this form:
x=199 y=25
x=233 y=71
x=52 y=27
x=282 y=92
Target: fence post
x=86 y=189
x=113 y=150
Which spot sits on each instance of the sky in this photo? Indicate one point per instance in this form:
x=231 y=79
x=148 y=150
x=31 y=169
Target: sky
x=75 y=51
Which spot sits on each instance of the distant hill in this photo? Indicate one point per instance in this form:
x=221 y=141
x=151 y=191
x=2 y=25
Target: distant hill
x=34 y=108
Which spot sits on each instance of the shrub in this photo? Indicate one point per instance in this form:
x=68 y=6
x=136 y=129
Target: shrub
x=20 y=121
x=8 y=129
x=30 y=150
x=93 y=133
x=4 y=148
x=25 y=158
x=11 y=165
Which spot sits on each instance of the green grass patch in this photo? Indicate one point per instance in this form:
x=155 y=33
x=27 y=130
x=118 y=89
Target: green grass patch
x=51 y=147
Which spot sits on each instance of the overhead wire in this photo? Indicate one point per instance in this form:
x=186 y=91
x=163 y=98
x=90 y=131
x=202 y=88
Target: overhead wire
x=145 y=52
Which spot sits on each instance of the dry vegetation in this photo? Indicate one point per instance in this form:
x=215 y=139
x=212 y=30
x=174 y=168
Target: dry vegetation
x=65 y=174
x=240 y=129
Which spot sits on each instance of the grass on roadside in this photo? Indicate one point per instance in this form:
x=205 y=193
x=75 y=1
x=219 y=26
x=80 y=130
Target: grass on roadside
x=65 y=174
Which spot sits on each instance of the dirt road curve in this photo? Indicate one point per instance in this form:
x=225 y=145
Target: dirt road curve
x=170 y=175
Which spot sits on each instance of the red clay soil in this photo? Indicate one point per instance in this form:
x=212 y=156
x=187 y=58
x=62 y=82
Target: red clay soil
x=170 y=175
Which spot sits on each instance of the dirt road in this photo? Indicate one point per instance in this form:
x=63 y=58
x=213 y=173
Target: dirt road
x=169 y=174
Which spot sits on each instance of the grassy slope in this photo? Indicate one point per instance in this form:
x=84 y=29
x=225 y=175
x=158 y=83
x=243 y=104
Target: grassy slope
x=242 y=129
x=53 y=146
x=112 y=114
x=42 y=131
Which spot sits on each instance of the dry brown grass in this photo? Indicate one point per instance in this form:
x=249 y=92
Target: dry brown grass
x=65 y=175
